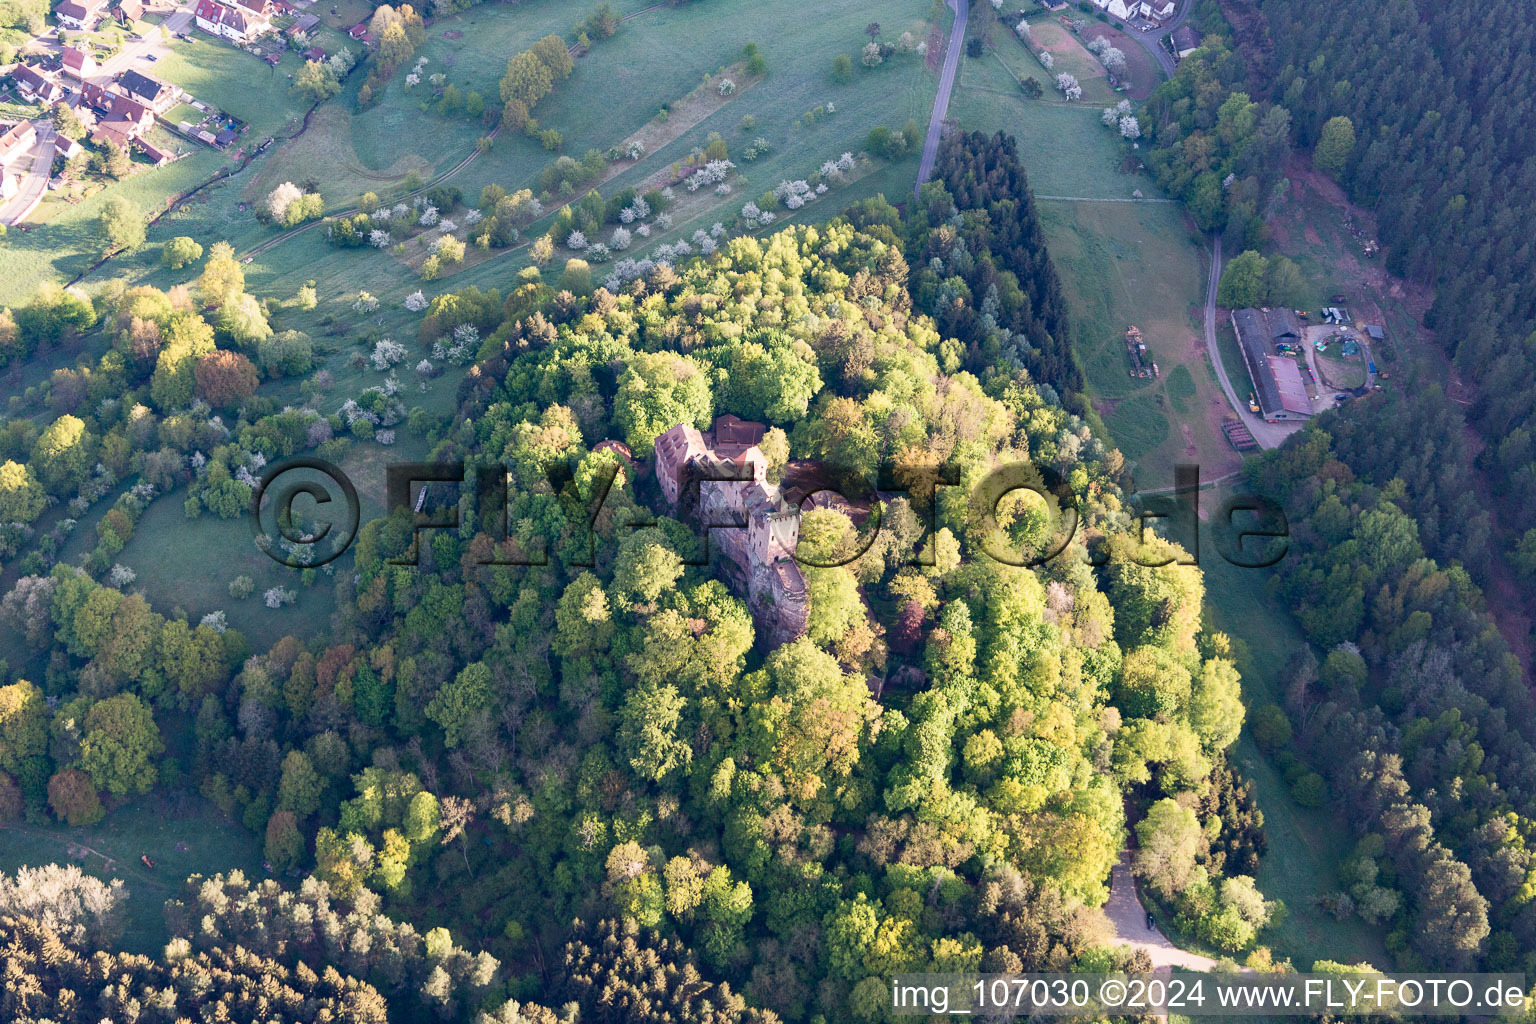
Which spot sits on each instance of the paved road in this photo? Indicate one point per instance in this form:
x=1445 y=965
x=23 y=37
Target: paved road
x=1126 y=912
x=33 y=185
x=962 y=9
x=1268 y=435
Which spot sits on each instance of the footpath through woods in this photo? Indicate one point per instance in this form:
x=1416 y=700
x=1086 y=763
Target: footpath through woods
x=962 y=9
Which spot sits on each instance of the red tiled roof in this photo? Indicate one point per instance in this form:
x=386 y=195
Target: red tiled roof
x=32 y=80
x=16 y=138
x=77 y=59
x=219 y=14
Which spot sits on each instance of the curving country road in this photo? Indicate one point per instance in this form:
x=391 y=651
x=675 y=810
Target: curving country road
x=1126 y=913
x=962 y=9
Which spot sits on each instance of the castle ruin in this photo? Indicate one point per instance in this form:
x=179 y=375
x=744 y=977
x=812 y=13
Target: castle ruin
x=745 y=517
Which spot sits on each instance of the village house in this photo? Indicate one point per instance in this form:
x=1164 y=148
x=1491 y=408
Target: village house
x=151 y=92
x=1158 y=10
x=121 y=119
x=15 y=154
x=79 y=15
x=36 y=87
x=129 y=11
x=1123 y=9
x=16 y=142
x=745 y=518
x=235 y=23
x=1185 y=41
x=78 y=64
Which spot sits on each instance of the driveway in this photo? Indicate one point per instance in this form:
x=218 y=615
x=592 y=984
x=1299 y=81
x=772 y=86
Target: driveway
x=1268 y=435
x=1152 y=39
x=1126 y=912
x=36 y=180
x=962 y=9
x=130 y=56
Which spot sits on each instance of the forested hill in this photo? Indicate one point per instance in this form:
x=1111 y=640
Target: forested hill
x=936 y=777
x=1438 y=99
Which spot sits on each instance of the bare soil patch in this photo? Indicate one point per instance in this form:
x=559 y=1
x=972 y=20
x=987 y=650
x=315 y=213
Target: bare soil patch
x=683 y=114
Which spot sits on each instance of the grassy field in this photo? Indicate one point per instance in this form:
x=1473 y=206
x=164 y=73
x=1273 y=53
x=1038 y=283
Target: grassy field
x=1071 y=58
x=1305 y=844
x=614 y=92
x=1135 y=264
x=152 y=825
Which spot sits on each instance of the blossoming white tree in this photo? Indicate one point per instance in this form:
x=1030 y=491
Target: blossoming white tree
x=386 y=354
x=280 y=198
x=1068 y=86
x=416 y=302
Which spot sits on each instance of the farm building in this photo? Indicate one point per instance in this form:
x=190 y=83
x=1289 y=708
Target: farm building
x=1277 y=383
x=306 y=24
